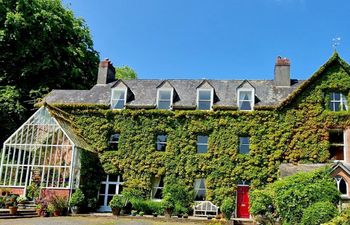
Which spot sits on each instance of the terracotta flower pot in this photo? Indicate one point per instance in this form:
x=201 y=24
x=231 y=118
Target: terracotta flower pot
x=38 y=212
x=56 y=213
x=13 y=210
x=116 y=211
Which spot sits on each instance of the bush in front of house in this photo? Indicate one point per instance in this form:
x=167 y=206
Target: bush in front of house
x=342 y=219
x=318 y=213
x=117 y=203
x=289 y=197
x=228 y=207
x=177 y=196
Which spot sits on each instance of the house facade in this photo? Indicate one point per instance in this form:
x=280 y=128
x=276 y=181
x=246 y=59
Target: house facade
x=219 y=137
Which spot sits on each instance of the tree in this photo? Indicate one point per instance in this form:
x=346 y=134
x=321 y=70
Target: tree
x=43 y=46
x=125 y=72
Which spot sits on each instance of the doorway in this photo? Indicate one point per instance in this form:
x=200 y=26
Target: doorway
x=243 y=201
x=112 y=185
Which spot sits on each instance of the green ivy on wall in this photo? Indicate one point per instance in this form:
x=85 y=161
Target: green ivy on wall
x=296 y=132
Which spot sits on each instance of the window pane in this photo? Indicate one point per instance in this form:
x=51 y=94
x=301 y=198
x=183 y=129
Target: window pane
x=202 y=148
x=202 y=139
x=120 y=189
x=161 y=147
x=161 y=138
x=118 y=104
x=336 y=96
x=119 y=94
x=109 y=198
x=245 y=95
x=245 y=105
x=164 y=95
x=342 y=187
x=204 y=105
x=244 y=140
x=336 y=137
x=113 y=178
x=163 y=104
x=158 y=194
x=204 y=95
x=114 y=137
x=244 y=149
x=102 y=188
x=111 y=189
x=101 y=200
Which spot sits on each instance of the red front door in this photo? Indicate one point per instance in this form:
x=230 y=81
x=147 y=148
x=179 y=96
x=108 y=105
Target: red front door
x=243 y=202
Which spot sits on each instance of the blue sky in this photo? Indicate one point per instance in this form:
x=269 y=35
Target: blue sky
x=216 y=39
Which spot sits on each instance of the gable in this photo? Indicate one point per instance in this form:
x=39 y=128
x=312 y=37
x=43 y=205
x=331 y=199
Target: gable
x=333 y=75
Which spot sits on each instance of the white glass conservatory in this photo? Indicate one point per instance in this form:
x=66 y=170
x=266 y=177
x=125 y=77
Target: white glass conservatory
x=44 y=149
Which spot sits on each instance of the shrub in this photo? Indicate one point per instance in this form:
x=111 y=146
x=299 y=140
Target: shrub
x=318 y=213
x=57 y=203
x=117 y=202
x=228 y=207
x=342 y=219
x=291 y=195
x=155 y=207
x=168 y=202
x=77 y=198
x=179 y=193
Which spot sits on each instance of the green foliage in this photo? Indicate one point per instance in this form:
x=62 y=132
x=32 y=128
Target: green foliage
x=260 y=200
x=342 y=219
x=57 y=203
x=11 y=110
x=43 y=46
x=228 y=207
x=292 y=195
x=167 y=202
x=125 y=73
x=296 y=133
x=147 y=206
x=90 y=178
x=318 y=213
x=117 y=202
x=77 y=198
x=179 y=196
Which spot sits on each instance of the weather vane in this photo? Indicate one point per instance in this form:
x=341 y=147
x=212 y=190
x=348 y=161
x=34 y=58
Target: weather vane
x=336 y=42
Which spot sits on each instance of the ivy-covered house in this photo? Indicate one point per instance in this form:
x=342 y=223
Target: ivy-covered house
x=219 y=137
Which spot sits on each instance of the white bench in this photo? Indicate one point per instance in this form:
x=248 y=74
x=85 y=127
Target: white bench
x=205 y=208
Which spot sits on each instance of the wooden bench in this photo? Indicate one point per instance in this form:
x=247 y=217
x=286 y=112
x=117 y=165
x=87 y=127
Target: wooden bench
x=205 y=209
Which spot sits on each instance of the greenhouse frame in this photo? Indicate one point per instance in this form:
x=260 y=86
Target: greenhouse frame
x=45 y=150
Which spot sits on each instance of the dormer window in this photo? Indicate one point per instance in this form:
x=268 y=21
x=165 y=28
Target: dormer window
x=338 y=102
x=245 y=99
x=342 y=185
x=118 y=99
x=164 y=98
x=205 y=99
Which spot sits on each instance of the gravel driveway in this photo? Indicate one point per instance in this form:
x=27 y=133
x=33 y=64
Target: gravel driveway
x=90 y=220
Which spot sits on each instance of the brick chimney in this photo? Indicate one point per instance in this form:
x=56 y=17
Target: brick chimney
x=282 y=72
x=106 y=72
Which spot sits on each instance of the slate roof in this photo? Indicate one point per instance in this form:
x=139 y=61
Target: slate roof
x=144 y=93
x=288 y=169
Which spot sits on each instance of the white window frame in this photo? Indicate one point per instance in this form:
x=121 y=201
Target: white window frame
x=338 y=179
x=202 y=144
x=114 y=142
x=252 y=102
x=156 y=187
x=344 y=144
x=115 y=99
x=341 y=101
x=161 y=142
x=171 y=97
x=240 y=144
x=107 y=182
x=200 y=189
x=211 y=97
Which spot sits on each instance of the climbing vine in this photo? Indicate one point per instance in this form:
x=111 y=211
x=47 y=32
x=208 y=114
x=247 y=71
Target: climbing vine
x=296 y=132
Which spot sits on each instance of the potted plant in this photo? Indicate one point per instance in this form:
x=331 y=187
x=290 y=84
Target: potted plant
x=57 y=205
x=11 y=203
x=38 y=209
x=117 y=203
x=76 y=201
x=21 y=201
